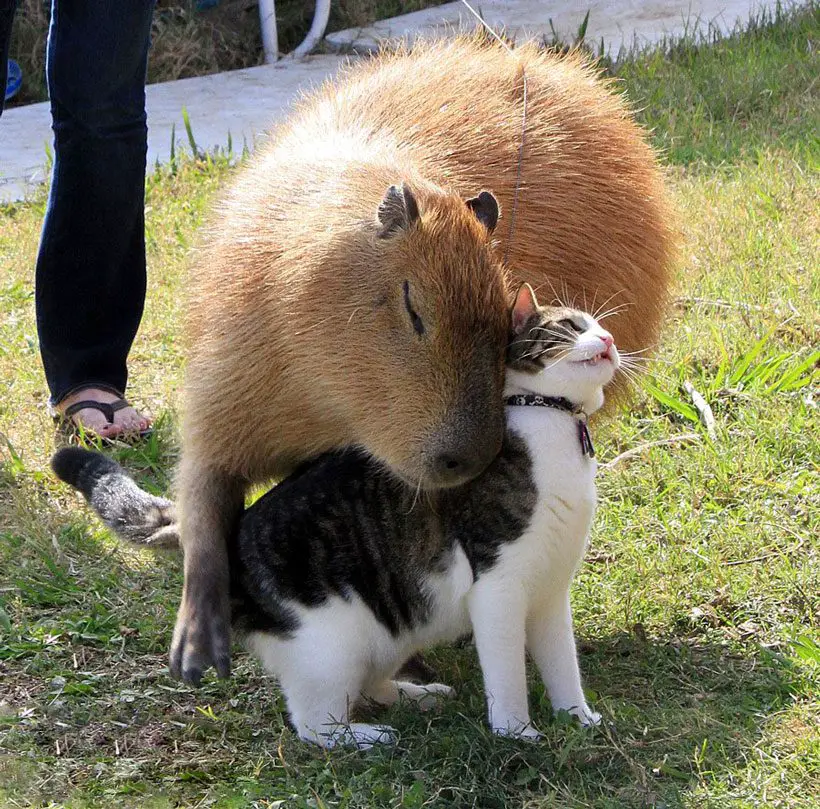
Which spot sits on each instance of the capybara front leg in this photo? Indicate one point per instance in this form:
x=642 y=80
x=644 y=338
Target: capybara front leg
x=210 y=503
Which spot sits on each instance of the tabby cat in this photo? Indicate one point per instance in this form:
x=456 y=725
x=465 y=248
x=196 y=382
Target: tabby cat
x=342 y=571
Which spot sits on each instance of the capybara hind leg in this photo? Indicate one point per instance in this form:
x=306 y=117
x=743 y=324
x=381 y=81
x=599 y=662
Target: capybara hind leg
x=210 y=503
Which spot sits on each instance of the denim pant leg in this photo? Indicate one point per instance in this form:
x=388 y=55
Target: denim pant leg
x=91 y=277
x=6 y=18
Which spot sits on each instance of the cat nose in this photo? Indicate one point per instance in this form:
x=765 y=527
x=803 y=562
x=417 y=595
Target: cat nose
x=606 y=339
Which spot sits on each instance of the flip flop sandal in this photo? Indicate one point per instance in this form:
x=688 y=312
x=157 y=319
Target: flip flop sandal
x=108 y=409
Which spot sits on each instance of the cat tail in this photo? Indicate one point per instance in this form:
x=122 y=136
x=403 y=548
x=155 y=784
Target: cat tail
x=131 y=513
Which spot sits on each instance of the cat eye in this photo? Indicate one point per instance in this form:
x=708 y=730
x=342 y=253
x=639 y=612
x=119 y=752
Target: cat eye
x=570 y=324
x=418 y=325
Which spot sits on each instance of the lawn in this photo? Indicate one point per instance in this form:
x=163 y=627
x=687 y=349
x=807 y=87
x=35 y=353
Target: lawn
x=697 y=608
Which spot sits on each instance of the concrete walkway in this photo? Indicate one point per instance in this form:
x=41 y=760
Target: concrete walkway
x=619 y=23
x=245 y=103
x=240 y=103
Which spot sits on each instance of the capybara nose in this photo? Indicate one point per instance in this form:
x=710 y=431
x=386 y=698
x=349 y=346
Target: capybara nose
x=454 y=468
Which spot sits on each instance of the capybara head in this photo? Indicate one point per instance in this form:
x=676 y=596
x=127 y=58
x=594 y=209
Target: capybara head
x=421 y=372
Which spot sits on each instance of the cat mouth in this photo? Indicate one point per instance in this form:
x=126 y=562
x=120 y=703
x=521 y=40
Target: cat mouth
x=597 y=359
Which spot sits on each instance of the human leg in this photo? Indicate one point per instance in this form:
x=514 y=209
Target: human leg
x=7 y=8
x=91 y=278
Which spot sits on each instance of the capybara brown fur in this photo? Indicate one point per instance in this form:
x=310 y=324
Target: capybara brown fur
x=353 y=289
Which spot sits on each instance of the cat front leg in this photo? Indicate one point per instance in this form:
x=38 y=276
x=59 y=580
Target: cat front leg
x=551 y=643
x=498 y=614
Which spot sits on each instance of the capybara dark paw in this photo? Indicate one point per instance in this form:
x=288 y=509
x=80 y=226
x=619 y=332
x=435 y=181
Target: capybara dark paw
x=201 y=640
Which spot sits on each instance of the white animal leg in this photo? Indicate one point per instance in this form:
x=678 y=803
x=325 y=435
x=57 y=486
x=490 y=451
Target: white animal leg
x=320 y=712
x=321 y=684
x=551 y=643
x=498 y=614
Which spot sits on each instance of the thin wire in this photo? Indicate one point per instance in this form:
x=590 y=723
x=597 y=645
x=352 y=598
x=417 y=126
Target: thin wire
x=506 y=47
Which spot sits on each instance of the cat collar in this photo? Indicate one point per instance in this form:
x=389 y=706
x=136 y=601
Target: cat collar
x=558 y=403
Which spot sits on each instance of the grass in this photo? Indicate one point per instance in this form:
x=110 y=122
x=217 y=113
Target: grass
x=696 y=610
x=723 y=99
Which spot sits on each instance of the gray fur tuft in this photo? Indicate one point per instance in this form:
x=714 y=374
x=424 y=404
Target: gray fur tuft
x=131 y=513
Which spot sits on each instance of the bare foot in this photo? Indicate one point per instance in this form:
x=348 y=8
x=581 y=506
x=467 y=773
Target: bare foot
x=127 y=421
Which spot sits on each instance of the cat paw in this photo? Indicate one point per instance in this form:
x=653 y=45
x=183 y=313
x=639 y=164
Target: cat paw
x=585 y=715
x=425 y=696
x=434 y=693
x=357 y=734
x=518 y=730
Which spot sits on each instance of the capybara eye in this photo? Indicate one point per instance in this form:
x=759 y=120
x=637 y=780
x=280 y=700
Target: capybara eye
x=418 y=325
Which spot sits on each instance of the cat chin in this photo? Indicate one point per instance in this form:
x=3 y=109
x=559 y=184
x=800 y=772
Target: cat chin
x=580 y=383
x=599 y=373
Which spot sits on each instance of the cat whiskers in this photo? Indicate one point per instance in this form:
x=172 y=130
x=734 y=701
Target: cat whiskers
x=562 y=356
x=635 y=352
x=597 y=312
x=613 y=311
x=557 y=299
x=634 y=366
x=629 y=368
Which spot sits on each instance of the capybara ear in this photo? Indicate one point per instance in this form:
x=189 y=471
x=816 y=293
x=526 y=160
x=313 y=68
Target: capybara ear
x=524 y=308
x=485 y=207
x=397 y=211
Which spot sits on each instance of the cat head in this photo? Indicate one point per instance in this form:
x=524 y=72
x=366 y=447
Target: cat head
x=558 y=351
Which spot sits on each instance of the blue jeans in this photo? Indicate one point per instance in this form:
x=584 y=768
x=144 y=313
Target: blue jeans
x=90 y=277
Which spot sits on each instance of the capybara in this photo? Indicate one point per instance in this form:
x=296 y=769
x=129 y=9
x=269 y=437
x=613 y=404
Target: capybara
x=353 y=288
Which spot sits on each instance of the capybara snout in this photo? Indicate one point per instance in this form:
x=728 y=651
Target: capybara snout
x=470 y=436
x=446 y=440
x=465 y=448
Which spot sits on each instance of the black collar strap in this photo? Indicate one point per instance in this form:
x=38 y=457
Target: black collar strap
x=558 y=403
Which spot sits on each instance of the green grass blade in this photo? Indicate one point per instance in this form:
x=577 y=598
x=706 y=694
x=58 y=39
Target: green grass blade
x=582 y=29
x=767 y=369
x=172 y=160
x=189 y=130
x=677 y=405
x=749 y=357
x=795 y=379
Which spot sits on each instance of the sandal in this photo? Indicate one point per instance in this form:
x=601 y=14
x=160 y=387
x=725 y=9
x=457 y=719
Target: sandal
x=108 y=409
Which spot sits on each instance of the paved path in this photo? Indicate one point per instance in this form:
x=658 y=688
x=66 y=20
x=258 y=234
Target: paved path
x=245 y=103
x=620 y=23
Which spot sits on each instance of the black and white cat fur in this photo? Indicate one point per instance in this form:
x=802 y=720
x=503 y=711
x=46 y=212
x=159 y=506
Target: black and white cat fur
x=342 y=572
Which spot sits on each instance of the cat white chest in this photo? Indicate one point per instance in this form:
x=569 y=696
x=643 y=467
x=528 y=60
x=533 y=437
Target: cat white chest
x=553 y=545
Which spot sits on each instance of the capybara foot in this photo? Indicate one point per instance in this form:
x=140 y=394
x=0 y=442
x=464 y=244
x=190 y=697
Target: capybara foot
x=201 y=639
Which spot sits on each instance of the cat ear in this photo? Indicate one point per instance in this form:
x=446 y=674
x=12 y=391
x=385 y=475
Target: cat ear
x=485 y=208
x=397 y=211
x=524 y=308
